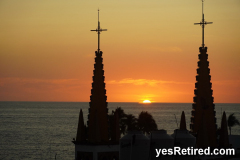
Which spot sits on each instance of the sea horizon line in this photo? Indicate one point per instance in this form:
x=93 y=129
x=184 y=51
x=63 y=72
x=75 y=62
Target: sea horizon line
x=117 y=102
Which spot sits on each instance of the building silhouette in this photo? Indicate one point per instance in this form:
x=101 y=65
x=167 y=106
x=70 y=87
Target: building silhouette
x=203 y=121
x=97 y=140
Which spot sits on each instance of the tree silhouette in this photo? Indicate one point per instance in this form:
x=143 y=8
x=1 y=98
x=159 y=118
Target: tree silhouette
x=232 y=121
x=122 y=117
x=146 y=123
x=128 y=122
x=120 y=112
x=131 y=122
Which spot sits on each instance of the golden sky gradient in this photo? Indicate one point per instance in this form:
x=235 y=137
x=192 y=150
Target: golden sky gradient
x=150 y=50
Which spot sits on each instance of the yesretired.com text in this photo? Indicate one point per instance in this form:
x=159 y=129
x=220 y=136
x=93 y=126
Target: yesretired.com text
x=194 y=151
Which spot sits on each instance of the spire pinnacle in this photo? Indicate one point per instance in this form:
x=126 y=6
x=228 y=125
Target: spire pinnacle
x=81 y=129
x=183 y=122
x=98 y=30
x=98 y=14
x=223 y=139
x=203 y=23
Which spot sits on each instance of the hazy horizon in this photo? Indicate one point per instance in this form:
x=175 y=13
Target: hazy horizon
x=112 y=102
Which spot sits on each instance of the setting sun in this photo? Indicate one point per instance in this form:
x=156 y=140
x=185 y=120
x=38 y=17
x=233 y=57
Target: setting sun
x=146 y=101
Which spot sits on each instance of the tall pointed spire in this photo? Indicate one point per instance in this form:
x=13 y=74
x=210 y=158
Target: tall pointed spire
x=97 y=144
x=223 y=140
x=203 y=100
x=203 y=23
x=98 y=111
x=98 y=30
x=183 y=122
x=81 y=129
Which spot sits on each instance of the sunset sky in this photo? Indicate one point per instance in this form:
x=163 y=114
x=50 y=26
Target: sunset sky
x=150 y=50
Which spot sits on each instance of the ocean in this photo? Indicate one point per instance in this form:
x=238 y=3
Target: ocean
x=44 y=130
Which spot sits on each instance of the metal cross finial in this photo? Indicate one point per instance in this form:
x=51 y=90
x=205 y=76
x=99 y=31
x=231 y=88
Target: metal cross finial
x=98 y=14
x=203 y=23
x=98 y=30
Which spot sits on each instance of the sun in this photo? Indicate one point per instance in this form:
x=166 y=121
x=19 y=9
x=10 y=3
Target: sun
x=146 y=101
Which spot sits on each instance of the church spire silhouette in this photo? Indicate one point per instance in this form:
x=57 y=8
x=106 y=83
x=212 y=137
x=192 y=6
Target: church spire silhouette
x=98 y=30
x=97 y=140
x=203 y=100
x=98 y=127
x=203 y=23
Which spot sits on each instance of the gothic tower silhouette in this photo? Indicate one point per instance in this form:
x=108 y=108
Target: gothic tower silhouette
x=96 y=141
x=203 y=113
x=98 y=111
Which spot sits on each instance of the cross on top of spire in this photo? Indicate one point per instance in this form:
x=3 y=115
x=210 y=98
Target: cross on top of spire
x=98 y=30
x=203 y=23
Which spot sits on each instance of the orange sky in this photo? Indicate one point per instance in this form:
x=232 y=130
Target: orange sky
x=150 y=50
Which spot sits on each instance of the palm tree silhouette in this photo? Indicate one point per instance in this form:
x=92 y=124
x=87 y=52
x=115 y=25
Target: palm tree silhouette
x=128 y=122
x=232 y=121
x=131 y=122
x=146 y=123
